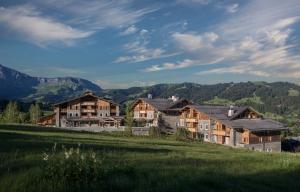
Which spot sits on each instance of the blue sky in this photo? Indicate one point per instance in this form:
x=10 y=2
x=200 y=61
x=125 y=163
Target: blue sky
x=119 y=44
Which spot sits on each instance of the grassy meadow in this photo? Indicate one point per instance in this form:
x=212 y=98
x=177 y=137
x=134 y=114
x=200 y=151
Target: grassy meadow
x=138 y=164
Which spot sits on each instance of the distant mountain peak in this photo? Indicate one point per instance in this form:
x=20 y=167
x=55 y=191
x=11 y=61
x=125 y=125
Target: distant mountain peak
x=18 y=85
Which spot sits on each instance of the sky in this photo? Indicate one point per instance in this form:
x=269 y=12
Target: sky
x=125 y=43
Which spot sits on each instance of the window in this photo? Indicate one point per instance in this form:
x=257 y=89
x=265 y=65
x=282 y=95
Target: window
x=101 y=114
x=206 y=126
x=269 y=149
x=76 y=107
x=76 y=114
x=70 y=114
x=206 y=136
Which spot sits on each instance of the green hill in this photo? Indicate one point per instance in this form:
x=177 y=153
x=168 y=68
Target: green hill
x=140 y=164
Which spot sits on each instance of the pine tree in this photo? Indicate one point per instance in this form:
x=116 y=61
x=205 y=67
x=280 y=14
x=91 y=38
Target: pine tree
x=35 y=113
x=129 y=115
x=11 y=113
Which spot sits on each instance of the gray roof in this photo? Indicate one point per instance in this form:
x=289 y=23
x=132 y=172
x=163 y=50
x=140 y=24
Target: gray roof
x=258 y=124
x=221 y=113
x=162 y=104
x=86 y=95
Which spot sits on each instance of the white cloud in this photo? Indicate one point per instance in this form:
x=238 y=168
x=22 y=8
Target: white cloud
x=101 y=14
x=265 y=46
x=51 y=21
x=192 y=42
x=139 y=50
x=189 y=2
x=232 y=8
x=181 y=64
x=41 y=30
x=106 y=84
x=235 y=70
x=130 y=30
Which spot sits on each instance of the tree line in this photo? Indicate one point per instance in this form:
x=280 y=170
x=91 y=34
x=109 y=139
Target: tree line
x=12 y=113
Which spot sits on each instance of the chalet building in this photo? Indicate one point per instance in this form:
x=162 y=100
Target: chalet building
x=233 y=126
x=88 y=110
x=47 y=120
x=152 y=110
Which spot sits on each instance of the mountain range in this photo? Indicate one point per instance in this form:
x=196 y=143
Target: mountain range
x=278 y=99
x=15 y=85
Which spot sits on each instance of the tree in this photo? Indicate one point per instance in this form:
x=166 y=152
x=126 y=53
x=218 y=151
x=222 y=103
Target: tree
x=11 y=113
x=129 y=115
x=23 y=117
x=35 y=113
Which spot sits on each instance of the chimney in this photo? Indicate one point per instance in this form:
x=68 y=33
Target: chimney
x=149 y=96
x=88 y=93
x=174 y=98
x=230 y=111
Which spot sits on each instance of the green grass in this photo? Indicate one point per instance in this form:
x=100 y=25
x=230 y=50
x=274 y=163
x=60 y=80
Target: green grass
x=159 y=164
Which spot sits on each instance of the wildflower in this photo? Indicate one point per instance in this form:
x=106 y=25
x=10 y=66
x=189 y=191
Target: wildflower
x=54 y=147
x=93 y=155
x=45 y=156
x=67 y=155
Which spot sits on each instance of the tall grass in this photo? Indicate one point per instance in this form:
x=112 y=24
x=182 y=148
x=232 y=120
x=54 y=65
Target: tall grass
x=28 y=162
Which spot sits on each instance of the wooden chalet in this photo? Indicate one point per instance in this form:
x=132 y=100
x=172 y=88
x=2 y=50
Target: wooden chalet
x=150 y=110
x=233 y=126
x=88 y=110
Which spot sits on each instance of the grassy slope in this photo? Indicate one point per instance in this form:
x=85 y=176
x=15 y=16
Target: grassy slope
x=161 y=164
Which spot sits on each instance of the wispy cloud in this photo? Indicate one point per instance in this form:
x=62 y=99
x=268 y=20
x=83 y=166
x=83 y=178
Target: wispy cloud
x=121 y=85
x=139 y=50
x=232 y=8
x=27 y=21
x=181 y=64
x=130 y=30
x=52 y=21
x=263 y=47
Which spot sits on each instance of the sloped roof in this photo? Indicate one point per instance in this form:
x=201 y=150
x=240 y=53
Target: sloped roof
x=218 y=112
x=89 y=94
x=221 y=113
x=162 y=104
x=258 y=124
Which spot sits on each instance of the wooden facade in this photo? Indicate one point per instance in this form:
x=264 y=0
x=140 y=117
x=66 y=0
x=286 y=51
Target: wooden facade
x=222 y=129
x=87 y=111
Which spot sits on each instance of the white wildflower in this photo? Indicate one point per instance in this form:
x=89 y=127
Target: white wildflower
x=45 y=157
x=67 y=155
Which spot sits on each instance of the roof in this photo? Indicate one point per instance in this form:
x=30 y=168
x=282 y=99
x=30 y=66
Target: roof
x=85 y=95
x=218 y=112
x=221 y=113
x=258 y=124
x=163 y=104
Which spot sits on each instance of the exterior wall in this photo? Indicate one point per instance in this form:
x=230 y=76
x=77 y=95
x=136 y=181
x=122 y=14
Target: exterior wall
x=144 y=111
x=199 y=124
x=267 y=147
x=75 y=112
x=103 y=113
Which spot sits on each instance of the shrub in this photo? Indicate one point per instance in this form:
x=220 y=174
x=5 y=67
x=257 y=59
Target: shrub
x=154 y=132
x=127 y=131
x=71 y=169
x=182 y=134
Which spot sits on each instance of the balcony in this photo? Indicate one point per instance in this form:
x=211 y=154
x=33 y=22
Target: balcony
x=221 y=133
x=191 y=120
x=88 y=110
x=87 y=103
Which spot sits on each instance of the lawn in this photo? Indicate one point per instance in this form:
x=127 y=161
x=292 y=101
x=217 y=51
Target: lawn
x=154 y=164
